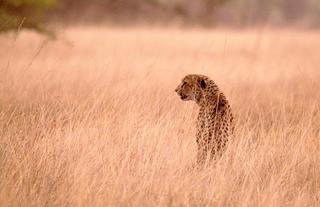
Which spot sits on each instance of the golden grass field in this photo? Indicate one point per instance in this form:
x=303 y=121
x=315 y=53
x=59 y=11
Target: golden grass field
x=92 y=118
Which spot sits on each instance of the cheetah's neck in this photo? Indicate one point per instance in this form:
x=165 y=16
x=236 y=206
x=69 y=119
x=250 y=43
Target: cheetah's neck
x=211 y=96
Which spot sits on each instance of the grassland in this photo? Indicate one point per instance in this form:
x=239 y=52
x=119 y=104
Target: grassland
x=92 y=118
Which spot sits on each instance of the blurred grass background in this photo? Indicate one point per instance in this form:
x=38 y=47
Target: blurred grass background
x=38 y=14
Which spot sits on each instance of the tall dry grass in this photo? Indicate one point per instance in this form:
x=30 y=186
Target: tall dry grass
x=94 y=121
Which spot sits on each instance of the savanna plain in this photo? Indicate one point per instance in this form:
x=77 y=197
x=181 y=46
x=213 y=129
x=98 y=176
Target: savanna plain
x=92 y=119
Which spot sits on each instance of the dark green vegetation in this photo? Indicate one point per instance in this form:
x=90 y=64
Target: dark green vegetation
x=15 y=14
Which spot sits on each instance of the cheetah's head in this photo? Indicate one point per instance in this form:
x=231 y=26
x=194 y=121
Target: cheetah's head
x=191 y=87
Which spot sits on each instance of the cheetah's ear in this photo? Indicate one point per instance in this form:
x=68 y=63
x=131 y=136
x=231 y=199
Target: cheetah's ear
x=202 y=84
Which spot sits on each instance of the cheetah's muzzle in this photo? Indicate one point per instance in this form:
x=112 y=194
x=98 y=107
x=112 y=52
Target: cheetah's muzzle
x=183 y=97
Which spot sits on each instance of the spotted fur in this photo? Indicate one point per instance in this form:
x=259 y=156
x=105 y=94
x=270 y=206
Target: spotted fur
x=215 y=119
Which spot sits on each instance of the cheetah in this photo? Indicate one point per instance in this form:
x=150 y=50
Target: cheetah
x=215 y=119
